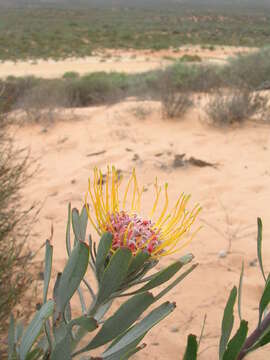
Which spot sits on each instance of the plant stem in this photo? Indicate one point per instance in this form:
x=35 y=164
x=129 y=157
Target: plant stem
x=254 y=336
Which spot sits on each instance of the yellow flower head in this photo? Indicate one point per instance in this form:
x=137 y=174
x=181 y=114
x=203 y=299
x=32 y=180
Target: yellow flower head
x=158 y=236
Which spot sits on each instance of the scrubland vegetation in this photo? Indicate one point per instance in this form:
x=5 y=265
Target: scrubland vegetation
x=235 y=89
x=65 y=32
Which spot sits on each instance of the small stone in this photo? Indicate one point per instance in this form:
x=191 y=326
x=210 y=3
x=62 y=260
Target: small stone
x=179 y=160
x=135 y=157
x=174 y=329
x=253 y=263
x=222 y=254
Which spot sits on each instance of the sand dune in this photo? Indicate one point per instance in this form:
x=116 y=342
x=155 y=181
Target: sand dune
x=232 y=194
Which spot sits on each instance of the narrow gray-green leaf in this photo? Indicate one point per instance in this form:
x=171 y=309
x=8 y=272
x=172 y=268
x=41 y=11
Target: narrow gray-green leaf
x=56 y=295
x=62 y=350
x=68 y=241
x=138 y=262
x=11 y=337
x=132 y=352
x=265 y=299
x=47 y=269
x=114 y=274
x=86 y=322
x=240 y=291
x=259 y=247
x=102 y=310
x=162 y=276
x=18 y=331
x=125 y=351
x=123 y=318
x=227 y=323
x=76 y=226
x=73 y=274
x=34 y=328
x=34 y=354
x=142 y=327
x=202 y=331
x=236 y=343
x=191 y=349
x=83 y=222
x=104 y=246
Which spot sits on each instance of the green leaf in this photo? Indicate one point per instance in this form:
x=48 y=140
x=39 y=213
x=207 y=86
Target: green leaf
x=141 y=328
x=47 y=270
x=126 y=351
x=236 y=343
x=34 y=355
x=191 y=349
x=123 y=318
x=115 y=274
x=34 y=328
x=202 y=331
x=102 y=310
x=76 y=225
x=240 y=291
x=83 y=222
x=175 y=282
x=62 y=349
x=259 y=247
x=11 y=337
x=73 y=274
x=227 y=322
x=265 y=299
x=68 y=243
x=162 y=276
x=56 y=295
x=137 y=262
x=104 y=246
x=86 y=322
x=132 y=352
x=18 y=331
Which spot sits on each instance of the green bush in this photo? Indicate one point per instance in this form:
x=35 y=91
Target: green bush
x=71 y=75
x=251 y=70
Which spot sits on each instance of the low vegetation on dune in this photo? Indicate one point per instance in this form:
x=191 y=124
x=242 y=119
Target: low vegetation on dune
x=235 y=89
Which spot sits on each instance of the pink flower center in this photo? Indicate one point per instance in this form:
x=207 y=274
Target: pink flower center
x=133 y=232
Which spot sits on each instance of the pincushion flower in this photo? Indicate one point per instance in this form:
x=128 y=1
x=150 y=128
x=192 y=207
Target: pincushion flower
x=160 y=235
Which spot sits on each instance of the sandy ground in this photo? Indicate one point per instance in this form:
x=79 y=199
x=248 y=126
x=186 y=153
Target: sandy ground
x=131 y=61
x=232 y=195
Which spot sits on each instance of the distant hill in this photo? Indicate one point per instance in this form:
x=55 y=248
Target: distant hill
x=136 y=3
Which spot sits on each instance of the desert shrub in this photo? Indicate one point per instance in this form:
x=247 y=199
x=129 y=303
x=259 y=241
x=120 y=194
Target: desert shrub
x=42 y=101
x=195 y=78
x=14 y=228
x=71 y=75
x=97 y=88
x=226 y=108
x=252 y=70
x=190 y=58
x=174 y=103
